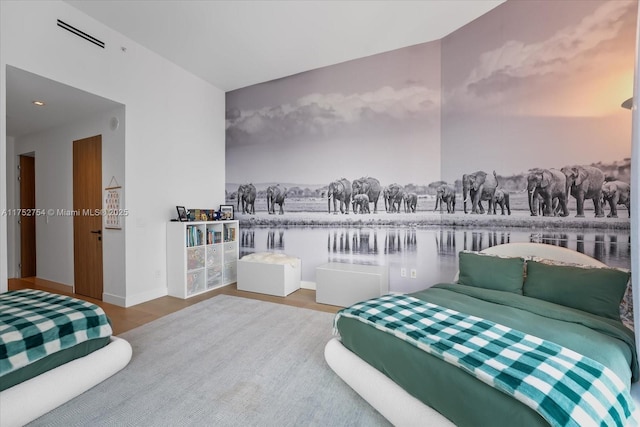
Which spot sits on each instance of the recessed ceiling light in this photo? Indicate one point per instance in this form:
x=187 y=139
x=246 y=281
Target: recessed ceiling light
x=38 y=103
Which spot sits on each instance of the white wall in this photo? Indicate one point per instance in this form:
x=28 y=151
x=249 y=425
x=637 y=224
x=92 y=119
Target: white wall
x=174 y=134
x=54 y=180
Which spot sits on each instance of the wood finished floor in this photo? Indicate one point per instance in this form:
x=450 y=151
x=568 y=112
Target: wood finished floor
x=124 y=319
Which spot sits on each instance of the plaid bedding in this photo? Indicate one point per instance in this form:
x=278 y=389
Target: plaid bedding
x=34 y=324
x=564 y=387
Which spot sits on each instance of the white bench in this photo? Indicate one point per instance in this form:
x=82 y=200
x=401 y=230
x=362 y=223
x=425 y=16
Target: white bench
x=345 y=284
x=269 y=273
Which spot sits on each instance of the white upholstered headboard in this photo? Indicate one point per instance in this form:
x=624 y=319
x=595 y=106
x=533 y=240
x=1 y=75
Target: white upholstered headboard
x=543 y=250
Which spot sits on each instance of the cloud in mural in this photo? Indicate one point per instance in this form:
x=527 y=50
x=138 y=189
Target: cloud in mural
x=330 y=114
x=503 y=68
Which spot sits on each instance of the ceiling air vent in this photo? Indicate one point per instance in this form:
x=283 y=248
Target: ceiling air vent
x=79 y=33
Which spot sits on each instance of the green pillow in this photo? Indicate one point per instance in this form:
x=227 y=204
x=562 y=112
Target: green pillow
x=594 y=290
x=491 y=272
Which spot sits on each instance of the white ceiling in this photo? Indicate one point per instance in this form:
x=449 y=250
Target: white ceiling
x=63 y=103
x=234 y=44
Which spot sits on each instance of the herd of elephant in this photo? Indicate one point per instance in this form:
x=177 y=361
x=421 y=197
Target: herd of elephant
x=246 y=197
x=366 y=190
x=356 y=195
x=548 y=193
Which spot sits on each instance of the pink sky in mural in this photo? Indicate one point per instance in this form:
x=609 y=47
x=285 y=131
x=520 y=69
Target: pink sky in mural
x=524 y=95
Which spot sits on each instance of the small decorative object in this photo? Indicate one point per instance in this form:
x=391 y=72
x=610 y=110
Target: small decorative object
x=201 y=214
x=226 y=212
x=182 y=214
x=112 y=202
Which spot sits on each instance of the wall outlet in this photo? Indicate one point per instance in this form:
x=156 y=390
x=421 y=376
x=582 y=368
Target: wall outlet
x=403 y=272
x=157 y=274
x=414 y=273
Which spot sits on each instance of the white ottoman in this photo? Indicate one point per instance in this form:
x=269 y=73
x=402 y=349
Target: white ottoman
x=269 y=273
x=345 y=284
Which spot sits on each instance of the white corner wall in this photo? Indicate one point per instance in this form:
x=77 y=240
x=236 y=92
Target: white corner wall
x=174 y=133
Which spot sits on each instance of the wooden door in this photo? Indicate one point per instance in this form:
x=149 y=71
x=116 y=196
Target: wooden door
x=87 y=223
x=27 y=217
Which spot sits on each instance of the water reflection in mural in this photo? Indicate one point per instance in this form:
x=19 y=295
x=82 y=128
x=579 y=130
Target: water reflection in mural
x=433 y=252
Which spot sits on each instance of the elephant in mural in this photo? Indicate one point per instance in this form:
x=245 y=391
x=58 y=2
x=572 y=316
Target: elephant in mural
x=385 y=196
x=247 y=198
x=446 y=194
x=549 y=185
x=539 y=206
x=585 y=182
x=393 y=196
x=360 y=204
x=370 y=187
x=476 y=187
x=501 y=198
x=275 y=195
x=616 y=193
x=410 y=202
x=340 y=192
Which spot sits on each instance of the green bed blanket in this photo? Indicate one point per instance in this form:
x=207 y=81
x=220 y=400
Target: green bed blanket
x=459 y=396
x=36 y=324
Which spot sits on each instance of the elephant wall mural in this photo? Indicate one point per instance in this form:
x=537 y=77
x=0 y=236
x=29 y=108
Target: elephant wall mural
x=446 y=194
x=476 y=187
x=616 y=193
x=585 y=182
x=340 y=192
x=275 y=196
x=369 y=186
x=551 y=186
x=461 y=107
x=246 y=196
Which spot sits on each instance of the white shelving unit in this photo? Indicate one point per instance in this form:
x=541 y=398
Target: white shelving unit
x=201 y=256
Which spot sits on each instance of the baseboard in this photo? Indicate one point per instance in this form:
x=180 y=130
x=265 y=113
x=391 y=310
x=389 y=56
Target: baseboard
x=145 y=296
x=114 y=299
x=308 y=285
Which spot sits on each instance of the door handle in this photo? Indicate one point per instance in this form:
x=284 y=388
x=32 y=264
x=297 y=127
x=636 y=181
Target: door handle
x=96 y=231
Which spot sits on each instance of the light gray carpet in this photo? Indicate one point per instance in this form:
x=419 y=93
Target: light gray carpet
x=226 y=361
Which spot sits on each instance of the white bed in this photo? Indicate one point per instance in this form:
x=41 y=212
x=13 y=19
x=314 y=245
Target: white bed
x=33 y=398
x=393 y=402
x=54 y=348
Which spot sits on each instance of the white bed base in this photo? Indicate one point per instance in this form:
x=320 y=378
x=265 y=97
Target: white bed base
x=391 y=400
x=395 y=404
x=33 y=398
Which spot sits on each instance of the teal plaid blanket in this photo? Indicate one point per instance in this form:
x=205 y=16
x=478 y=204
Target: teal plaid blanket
x=34 y=324
x=564 y=387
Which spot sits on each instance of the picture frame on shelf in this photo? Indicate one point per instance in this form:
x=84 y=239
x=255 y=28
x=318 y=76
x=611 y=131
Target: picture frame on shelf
x=226 y=212
x=182 y=214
